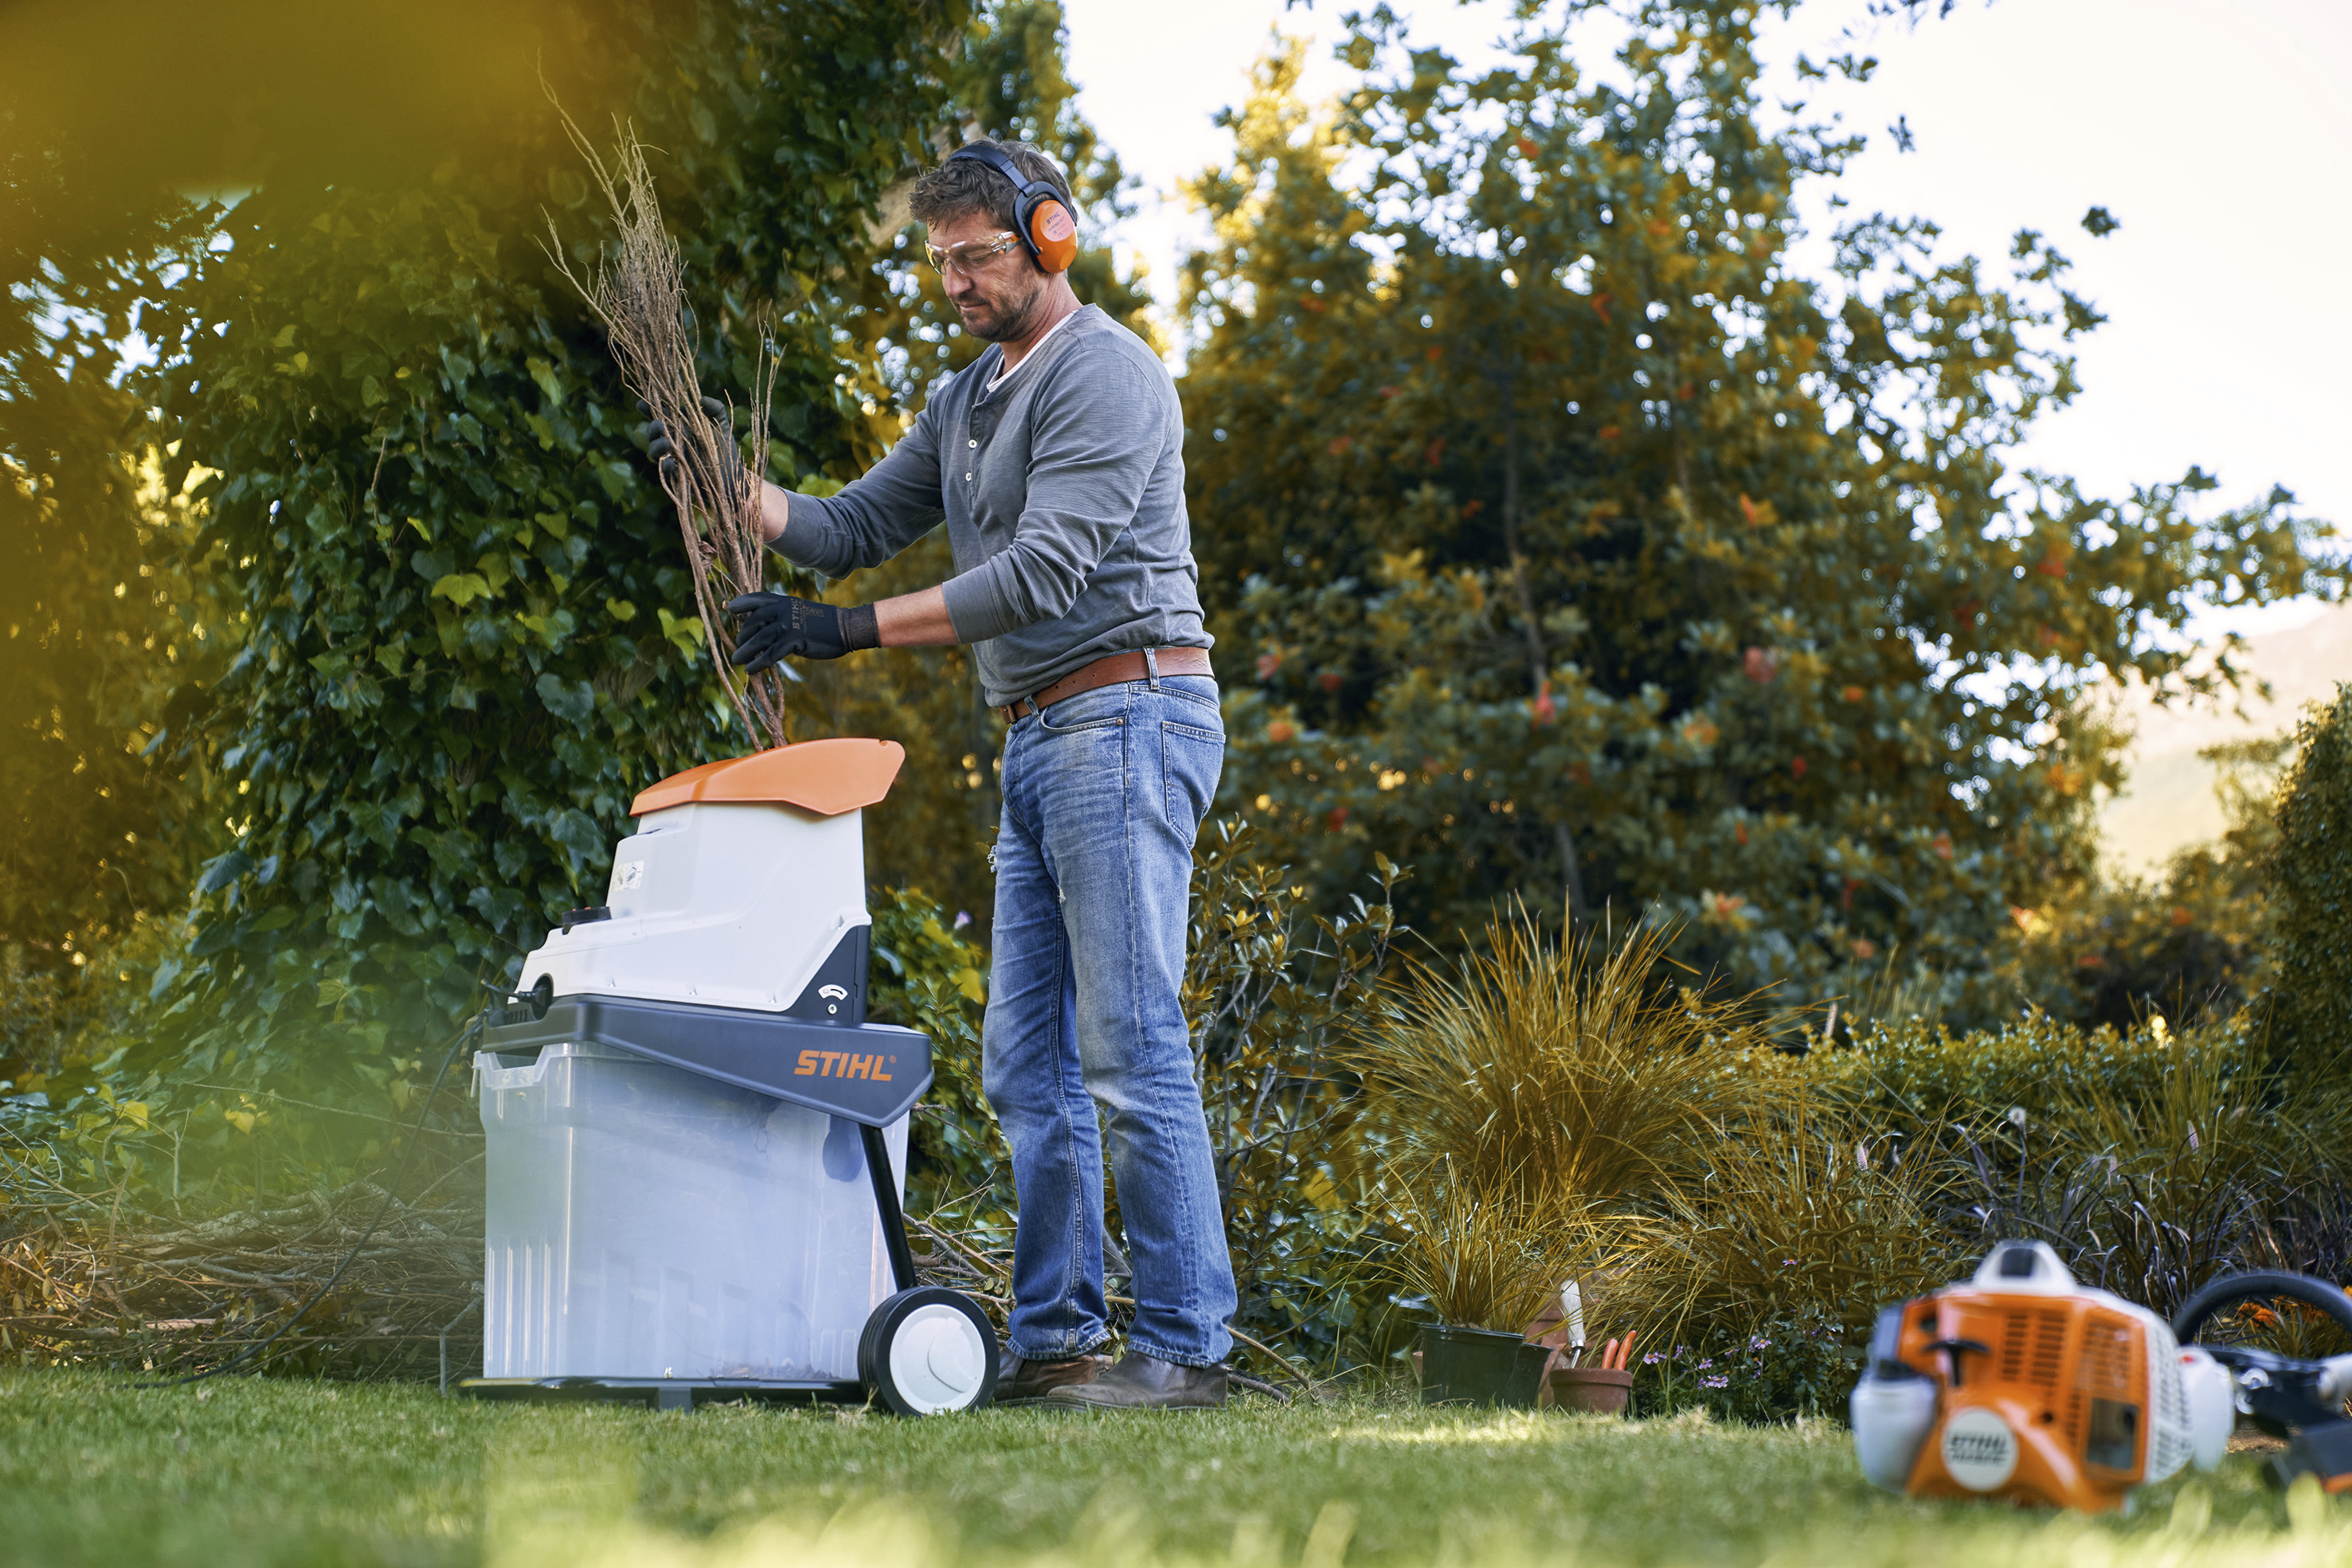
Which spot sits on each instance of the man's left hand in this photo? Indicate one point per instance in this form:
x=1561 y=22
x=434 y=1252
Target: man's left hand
x=727 y=486
x=777 y=625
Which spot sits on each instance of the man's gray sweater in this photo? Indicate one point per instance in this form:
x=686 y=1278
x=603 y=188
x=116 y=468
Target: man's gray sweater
x=1064 y=497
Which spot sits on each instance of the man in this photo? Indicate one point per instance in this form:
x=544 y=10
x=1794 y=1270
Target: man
x=1057 y=462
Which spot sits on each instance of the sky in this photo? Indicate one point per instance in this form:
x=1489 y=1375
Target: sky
x=2214 y=132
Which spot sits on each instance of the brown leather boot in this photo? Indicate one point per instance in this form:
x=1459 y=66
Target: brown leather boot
x=1141 y=1382
x=1020 y=1382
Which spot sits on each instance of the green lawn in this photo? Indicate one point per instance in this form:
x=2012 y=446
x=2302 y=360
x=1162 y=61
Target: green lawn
x=247 y=1471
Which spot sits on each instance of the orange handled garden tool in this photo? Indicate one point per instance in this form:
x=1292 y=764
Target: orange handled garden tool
x=1614 y=1354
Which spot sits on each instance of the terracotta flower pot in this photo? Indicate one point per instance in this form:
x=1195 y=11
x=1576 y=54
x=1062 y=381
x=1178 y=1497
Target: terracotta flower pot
x=1602 y=1390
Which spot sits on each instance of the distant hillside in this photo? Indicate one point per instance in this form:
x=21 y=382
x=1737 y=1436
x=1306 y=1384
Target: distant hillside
x=2169 y=801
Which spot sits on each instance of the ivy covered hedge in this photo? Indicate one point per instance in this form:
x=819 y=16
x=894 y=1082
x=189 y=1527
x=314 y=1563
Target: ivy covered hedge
x=461 y=656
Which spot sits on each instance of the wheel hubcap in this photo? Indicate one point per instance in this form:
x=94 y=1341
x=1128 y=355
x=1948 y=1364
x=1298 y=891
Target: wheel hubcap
x=938 y=1359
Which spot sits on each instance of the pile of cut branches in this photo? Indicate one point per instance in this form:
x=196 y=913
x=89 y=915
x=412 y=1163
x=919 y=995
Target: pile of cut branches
x=113 y=1283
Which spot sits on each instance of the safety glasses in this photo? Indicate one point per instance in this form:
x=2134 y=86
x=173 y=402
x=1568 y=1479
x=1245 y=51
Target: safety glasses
x=973 y=254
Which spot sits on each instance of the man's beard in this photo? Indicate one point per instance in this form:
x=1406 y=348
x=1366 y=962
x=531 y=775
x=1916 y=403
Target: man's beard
x=1003 y=327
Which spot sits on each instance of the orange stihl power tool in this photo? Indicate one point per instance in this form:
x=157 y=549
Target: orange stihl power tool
x=2023 y=1384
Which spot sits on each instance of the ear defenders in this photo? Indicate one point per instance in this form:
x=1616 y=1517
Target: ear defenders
x=1039 y=215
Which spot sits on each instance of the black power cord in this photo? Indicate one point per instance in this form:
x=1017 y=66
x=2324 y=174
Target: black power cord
x=471 y=1031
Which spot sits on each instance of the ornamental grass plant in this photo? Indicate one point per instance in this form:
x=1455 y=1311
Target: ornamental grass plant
x=1555 y=1114
x=1550 y=1113
x=2188 y=1176
x=1556 y=1068
x=1481 y=1254
x=1771 y=1254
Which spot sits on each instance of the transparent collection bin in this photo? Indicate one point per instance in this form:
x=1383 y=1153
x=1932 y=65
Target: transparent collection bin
x=646 y=1221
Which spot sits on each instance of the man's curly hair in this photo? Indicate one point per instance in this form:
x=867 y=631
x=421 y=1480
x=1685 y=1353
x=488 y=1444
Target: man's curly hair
x=963 y=186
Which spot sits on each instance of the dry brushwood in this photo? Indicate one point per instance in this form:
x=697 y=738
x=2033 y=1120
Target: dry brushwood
x=638 y=291
x=102 y=1279
x=148 y=1291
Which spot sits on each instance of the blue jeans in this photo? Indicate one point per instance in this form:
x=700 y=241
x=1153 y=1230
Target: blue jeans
x=1104 y=793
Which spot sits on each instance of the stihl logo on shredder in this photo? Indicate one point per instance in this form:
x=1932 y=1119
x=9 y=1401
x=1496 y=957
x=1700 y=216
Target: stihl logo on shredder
x=833 y=993
x=844 y=1064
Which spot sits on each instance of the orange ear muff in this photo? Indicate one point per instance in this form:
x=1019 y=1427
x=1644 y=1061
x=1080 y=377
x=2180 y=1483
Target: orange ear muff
x=1053 y=236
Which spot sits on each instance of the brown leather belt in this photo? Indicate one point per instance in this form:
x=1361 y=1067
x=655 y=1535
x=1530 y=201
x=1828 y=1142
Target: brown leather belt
x=1109 y=671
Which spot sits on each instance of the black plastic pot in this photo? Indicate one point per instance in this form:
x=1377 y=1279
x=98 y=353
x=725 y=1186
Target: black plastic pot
x=1479 y=1366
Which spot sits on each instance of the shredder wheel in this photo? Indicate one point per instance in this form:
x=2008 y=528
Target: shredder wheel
x=927 y=1352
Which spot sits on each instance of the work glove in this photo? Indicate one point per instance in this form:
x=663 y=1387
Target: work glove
x=728 y=488
x=773 y=625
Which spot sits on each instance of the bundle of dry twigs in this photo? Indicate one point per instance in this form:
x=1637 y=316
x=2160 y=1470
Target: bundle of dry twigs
x=638 y=291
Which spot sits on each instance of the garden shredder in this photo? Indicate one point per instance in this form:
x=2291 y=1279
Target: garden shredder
x=695 y=1141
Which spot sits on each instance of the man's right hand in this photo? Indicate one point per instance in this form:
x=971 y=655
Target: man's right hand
x=729 y=485
x=773 y=625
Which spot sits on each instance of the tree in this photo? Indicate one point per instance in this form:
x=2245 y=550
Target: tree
x=1588 y=551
